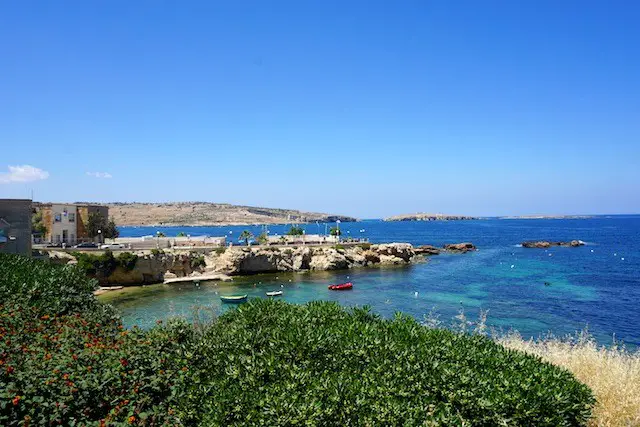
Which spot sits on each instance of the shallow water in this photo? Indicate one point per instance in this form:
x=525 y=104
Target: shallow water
x=595 y=286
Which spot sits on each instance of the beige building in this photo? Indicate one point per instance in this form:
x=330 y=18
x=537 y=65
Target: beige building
x=67 y=223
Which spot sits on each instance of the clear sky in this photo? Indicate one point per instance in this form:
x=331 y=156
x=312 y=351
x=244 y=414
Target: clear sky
x=365 y=108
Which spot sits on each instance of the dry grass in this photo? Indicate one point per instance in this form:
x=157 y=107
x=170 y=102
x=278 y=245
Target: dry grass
x=612 y=373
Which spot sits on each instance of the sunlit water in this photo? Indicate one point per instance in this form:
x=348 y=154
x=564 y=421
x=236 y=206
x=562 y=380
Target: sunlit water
x=595 y=286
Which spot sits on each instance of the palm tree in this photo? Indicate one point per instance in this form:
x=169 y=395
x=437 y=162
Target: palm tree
x=246 y=235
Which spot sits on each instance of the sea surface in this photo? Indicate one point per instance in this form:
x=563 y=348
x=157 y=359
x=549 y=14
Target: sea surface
x=596 y=286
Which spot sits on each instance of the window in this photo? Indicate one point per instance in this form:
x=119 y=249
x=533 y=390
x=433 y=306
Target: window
x=72 y=217
x=57 y=217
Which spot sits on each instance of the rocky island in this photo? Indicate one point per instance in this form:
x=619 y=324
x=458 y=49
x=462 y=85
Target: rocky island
x=543 y=244
x=429 y=217
x=205 y=213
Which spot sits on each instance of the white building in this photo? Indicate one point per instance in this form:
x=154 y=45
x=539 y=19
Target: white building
x=63 y=224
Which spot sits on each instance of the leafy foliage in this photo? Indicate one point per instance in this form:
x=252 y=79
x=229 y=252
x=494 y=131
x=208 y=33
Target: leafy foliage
x=181 y=234
x=103 y=265
x=262 y=239
x=66 y=359
x=335 y=231
x=127 y=260
x=295 y=230
x=96 y=221
x=197 y=261
x=245 y=236
x=37 y=224
x=365 y=246
x=156 y=252
x=273 y=363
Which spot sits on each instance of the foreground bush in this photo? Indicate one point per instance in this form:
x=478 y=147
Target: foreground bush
x=273 y=363
x=65 y=359
x=51 y=289
x=612 y=373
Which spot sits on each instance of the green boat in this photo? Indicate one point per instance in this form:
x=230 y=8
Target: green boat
x=235 y=299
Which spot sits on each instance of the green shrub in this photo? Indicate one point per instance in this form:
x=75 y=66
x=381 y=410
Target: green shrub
x=76 y=370
x=96 y=265
x=365 y=246
x=338 y=247
x=220 y=250
x=127 y=260
x=156 y=252
x=295 y=230
x=197 y=261
x=65 y=359
x=273 y=363
x=49 y=288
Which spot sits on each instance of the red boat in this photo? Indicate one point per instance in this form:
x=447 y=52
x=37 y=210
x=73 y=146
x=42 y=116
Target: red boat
x=341 y=286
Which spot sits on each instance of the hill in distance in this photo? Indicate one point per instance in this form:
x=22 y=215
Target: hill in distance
x=204 y=213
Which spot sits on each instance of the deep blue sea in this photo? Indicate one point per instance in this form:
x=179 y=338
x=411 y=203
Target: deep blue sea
x=596 y=286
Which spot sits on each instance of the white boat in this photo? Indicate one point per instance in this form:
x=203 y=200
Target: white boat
x=274 y=293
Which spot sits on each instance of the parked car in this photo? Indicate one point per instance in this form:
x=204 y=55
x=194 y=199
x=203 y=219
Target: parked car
x=54 y=245
x=86 y=245
x=112 y=246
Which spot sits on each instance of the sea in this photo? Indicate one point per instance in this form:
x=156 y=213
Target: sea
x=558 y=291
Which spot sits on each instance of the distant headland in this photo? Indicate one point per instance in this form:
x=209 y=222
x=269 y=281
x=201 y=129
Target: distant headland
x=429 y=217
x=547 y=217
x=209 y=214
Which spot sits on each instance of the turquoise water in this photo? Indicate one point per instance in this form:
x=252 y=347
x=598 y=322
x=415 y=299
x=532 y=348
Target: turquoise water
x=595 y=286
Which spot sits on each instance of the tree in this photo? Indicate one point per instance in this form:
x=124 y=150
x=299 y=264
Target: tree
x=96 y=221
x=246 y=235
x=37 y=224
x=181 y=234
x=160 y=234
x=295 y=231
x=263 y=239
x=335 y=231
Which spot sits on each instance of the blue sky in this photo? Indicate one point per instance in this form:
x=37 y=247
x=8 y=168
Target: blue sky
x=368 y=108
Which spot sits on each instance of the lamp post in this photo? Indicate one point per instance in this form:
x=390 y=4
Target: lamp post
x=338 y=230
x=100 y=236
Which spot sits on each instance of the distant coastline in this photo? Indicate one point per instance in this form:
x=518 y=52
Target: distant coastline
x=206 y=214
x=547 y=217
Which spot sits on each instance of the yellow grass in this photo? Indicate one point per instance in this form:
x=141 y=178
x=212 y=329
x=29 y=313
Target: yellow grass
x=612 y=373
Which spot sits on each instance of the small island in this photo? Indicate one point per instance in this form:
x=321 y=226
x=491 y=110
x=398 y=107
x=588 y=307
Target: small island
x=429 y=217
x=543 y=244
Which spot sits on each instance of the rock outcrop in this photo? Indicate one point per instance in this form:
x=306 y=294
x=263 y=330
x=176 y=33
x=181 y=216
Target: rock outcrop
x=460 y=247
x=266 y=260
x=543 y=244
x=427 y=250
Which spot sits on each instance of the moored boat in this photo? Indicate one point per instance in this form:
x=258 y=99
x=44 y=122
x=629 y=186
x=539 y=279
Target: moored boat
x=341 y=286
x=274 y=293
x=233 y=298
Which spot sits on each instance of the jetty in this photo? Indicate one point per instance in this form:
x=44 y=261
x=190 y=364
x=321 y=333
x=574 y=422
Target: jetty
x=201 y=278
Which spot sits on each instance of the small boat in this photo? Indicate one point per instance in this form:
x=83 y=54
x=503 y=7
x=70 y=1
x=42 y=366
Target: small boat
x=341 y=286
x=236 y=299
x=274 y=293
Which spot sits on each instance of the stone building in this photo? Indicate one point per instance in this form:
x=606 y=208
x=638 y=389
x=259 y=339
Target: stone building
x=15 y=226
x=68 y=223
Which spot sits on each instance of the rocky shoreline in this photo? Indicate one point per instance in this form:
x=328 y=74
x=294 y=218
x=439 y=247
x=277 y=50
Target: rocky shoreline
x=159 y=266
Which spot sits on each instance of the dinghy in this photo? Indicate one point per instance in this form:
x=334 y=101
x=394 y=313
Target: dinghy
x=235 y=299
x=341 y=286
x=274 y=293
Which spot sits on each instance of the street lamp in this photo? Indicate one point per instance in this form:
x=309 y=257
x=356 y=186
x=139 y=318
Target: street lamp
x=100 y=236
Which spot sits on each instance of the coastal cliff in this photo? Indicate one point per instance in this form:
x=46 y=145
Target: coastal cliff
x=429 y=217
x=152 y=267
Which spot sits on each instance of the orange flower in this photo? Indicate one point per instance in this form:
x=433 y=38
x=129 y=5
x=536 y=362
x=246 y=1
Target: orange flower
x=185 y=369
x=47 y=356
x=9 y=369
x=75 y=357
x=16 y=400
x=132 y=419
